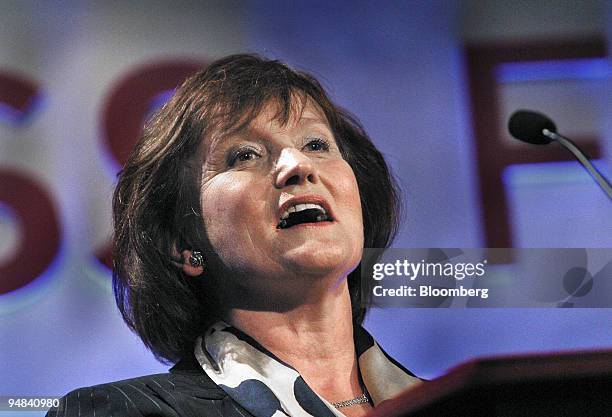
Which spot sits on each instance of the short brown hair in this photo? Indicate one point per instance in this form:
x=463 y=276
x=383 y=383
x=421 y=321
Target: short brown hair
x=156 y=207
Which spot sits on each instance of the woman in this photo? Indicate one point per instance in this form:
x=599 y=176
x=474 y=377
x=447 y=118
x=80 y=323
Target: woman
x=240 y=221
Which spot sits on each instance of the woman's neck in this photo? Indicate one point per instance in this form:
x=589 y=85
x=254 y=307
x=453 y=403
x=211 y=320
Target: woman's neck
x=315 y=338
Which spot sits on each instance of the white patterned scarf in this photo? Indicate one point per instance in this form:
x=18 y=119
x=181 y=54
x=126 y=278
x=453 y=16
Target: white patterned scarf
x=267 y=387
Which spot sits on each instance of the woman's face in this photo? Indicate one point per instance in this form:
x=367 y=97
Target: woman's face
x=253 y=179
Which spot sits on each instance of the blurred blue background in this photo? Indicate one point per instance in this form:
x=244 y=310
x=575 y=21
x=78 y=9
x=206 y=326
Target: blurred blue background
x=400 y=67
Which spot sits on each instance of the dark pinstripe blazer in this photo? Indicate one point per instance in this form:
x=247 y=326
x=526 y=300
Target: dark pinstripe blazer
x=184 y=391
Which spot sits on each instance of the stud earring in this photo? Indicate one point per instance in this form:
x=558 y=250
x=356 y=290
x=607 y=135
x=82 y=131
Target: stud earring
x=196 y=259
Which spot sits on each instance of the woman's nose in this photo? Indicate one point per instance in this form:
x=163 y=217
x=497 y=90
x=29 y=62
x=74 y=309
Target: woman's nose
x=293 y=168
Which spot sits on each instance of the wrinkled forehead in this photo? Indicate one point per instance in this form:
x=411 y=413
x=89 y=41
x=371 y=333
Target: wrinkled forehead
x=293 y=110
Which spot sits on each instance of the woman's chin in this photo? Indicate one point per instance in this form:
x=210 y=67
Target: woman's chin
x=320 y=260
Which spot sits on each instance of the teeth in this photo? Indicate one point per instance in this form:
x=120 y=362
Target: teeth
x=300 y=207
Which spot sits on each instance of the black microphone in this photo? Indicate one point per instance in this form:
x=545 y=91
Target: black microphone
x=536 y=128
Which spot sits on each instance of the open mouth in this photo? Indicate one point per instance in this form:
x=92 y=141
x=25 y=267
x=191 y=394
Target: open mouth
x=303 y=213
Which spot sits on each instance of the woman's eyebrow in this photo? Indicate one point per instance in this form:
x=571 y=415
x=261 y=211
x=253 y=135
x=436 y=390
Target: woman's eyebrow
x=307 y=122
x=225 y=142
x=312 y=117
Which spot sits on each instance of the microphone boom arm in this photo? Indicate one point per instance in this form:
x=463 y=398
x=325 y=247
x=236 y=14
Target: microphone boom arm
x=603 y=183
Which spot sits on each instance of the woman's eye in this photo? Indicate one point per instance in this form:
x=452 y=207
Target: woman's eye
x=317 y=145
x=246 y=156
x=243 y=155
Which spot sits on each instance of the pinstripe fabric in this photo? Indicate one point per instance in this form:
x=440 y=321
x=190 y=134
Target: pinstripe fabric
x=186 y=391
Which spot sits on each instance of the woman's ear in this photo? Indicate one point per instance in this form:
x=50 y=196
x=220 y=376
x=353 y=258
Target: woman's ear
x=192 y=263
